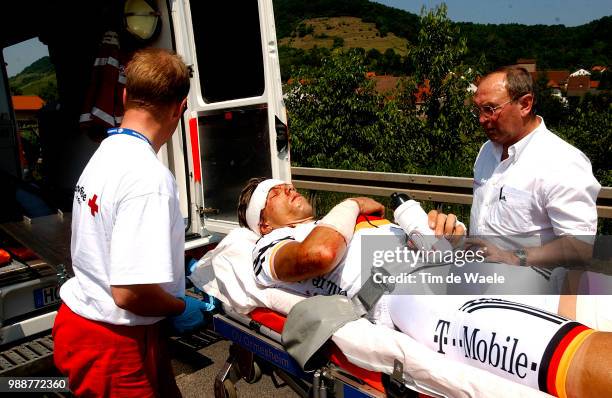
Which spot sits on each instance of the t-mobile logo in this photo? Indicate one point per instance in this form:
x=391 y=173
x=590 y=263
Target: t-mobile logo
x=494 y=351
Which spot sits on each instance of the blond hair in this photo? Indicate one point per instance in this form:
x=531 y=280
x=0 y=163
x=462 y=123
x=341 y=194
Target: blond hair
x=155 y=77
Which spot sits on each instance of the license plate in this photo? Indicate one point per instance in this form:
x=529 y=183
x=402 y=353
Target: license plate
x=46 y=296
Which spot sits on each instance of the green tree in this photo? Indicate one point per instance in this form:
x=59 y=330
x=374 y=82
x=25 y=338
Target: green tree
x=589 y=128
x=337 y=120
x=554 y=111
x=441 y=82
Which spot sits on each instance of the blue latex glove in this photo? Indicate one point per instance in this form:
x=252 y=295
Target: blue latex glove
x=190 y=266
x=193 y=315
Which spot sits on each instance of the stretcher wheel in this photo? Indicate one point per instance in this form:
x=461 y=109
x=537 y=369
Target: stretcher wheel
x=254 y=373
x=229 y=389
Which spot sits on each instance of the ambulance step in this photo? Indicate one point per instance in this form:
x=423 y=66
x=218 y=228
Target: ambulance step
x=27 y=358
x=198 y=340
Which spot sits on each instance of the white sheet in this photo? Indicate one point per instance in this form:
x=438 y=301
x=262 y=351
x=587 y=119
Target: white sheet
x=226 y=273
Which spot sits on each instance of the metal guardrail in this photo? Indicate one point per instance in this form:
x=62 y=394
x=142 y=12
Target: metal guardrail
x=421 y=187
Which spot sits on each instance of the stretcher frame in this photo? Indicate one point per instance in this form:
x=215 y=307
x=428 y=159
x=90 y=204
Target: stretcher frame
x=256 y=349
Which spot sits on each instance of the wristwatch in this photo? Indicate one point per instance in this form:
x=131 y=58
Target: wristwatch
x=522 y=256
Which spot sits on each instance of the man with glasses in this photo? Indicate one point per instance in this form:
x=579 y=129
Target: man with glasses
x=531 y=184
x=527 y=180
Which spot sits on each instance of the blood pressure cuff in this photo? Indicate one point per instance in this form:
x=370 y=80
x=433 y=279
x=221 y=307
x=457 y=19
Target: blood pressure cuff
x=311 y=322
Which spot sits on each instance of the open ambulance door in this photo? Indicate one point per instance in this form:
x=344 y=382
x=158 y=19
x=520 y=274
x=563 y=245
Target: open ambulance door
x=237 y=123
x=9 y=155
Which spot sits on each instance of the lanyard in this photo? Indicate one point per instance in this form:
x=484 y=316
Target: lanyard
x=131 y=132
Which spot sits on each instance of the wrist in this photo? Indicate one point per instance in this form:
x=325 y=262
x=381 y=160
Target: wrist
x=356 y=201
x=342 y=218
x=521 y=257
x=181 y=307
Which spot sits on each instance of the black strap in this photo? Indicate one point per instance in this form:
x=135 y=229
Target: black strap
x=371 y=291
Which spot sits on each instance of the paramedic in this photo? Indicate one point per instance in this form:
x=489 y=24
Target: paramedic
x=127 y=247
x=299 y=254
x=527 y=180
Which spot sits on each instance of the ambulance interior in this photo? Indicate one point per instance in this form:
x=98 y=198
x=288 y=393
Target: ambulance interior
x=231 y=132
x=234 y=140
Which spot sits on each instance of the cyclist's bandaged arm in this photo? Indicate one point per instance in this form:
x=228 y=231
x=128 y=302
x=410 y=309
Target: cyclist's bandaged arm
x=320 y=251
x=515 y=341
x=342 y=219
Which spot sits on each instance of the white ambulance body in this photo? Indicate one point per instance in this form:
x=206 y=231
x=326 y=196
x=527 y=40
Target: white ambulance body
x=235 y=127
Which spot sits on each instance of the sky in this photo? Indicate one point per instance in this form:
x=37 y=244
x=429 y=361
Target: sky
x=18 y=56
x=528 y=12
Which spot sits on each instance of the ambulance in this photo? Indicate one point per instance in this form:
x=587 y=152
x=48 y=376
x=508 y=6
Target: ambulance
x=235 y=128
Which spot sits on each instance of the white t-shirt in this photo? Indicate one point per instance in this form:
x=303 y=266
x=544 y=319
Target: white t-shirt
x=127 y=229
x=547 y=189
x=345 y=279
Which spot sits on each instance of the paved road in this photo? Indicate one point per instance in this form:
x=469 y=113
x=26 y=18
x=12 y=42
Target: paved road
x=195 y=376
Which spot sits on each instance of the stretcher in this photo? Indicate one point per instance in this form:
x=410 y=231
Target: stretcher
x=361 y=359
x=257 y=348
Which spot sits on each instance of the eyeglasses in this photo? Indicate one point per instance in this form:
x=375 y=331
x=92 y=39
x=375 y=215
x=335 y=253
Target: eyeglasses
x=487 y=110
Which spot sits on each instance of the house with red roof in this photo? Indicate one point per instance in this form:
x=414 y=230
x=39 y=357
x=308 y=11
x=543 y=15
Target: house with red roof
x=384 y=84
x=557 y=78
x=26 y=107
x=578 y=85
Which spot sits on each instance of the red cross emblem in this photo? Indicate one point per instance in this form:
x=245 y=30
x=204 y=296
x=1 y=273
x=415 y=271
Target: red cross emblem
x=92 y=205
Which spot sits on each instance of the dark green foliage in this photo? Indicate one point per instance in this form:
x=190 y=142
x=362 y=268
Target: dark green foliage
x=303 y=30
x=42 y=66
x=451 y=133
x=48 y=92
x=589 y=128
x=292 y=59
x=36 y=79
x=551 y=108
x=337 y=120
x=554 y=47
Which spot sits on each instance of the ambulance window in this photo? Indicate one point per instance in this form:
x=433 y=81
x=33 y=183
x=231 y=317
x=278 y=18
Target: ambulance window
x=235 y=147
x=228 y=48
x=32 y=84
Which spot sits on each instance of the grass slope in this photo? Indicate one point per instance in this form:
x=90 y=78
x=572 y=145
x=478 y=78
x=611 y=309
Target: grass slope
x=353 y=31
x=37 y=79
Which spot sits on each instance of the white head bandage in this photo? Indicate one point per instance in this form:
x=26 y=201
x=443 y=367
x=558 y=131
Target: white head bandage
x=258 y=202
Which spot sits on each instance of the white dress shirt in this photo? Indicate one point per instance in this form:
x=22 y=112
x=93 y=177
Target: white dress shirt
x=545 y=188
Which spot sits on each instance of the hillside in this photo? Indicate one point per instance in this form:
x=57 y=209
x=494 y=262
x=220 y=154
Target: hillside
x=288 y=14
x=347 y=32
x=37 y=79
x=554 y=47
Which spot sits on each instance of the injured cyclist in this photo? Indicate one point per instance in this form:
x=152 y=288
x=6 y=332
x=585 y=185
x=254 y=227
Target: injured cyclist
x=298 y=253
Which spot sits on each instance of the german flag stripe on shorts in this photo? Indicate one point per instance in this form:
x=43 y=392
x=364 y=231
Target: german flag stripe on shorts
x=558 y=355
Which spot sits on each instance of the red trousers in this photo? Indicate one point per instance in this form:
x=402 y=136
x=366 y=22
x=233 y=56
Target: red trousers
x=105 y=360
